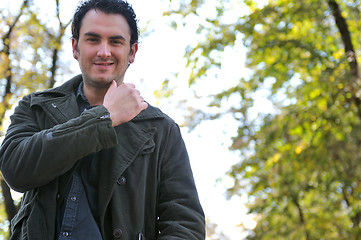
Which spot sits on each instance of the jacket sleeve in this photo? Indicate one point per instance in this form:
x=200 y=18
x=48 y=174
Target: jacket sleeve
x=180 y=213
x=31 y=157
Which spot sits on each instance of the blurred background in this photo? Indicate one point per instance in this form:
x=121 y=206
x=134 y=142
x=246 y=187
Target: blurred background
x=267 y=94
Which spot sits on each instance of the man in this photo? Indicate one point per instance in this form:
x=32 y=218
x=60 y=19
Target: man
x=93 y=159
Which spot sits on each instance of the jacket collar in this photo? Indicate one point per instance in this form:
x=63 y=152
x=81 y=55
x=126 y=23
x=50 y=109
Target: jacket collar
x=68 y=90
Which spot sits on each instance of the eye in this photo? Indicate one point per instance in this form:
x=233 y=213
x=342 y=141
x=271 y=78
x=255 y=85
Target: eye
x=117 y=42
x=92 y=39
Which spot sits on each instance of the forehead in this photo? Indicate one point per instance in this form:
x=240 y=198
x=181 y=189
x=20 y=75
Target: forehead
x=103 y=24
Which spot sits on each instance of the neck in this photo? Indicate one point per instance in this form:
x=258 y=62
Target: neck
x=95 y=95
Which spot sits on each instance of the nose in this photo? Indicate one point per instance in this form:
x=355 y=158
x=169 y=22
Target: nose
x=104 y=51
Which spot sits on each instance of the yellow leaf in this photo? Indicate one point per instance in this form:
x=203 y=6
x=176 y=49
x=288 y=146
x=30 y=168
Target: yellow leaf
x=276 y=157
x=338 y=54
x=300 y=148
x=322 y=104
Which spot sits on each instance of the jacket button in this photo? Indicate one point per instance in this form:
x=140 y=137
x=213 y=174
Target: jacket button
x=121 y=181
x=117 y=233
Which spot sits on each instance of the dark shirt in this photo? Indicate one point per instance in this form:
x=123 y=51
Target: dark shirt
x=77 y=217
x=77 y=222
x=89 y=165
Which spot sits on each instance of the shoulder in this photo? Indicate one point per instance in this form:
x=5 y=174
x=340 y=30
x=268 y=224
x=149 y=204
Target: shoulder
x=153 y=116
x=66 y=89
x=151 y=113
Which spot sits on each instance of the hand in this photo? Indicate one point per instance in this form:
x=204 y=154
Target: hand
x=123 y=102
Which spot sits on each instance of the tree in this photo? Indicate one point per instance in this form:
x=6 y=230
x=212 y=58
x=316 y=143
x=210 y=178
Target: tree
x=7 y=75
x=29 y=49
x=298 y=163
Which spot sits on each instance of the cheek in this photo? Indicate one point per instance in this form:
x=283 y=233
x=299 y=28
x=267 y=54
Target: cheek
x=84 y=58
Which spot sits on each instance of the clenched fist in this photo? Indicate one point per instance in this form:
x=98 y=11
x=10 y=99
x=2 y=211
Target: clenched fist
x=123 y=102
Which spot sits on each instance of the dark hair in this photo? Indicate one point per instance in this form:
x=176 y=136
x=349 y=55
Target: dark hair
x=109 y=7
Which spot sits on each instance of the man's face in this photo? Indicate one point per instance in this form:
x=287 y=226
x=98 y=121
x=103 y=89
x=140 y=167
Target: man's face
x=103 y=49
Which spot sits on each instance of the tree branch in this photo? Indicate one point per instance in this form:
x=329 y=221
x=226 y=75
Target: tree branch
x=10 y=207
x=302 y=216
x=346 y=37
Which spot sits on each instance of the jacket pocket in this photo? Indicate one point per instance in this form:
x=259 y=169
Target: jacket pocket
x=36 y=224
x=19 y=229
x=29 y=223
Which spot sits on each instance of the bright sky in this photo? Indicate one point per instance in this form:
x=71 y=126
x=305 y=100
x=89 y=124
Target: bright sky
x=161 y=54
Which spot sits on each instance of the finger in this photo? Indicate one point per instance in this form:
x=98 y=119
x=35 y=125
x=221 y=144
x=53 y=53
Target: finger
x=131 y=85
x=113 y=85
x=143 y=105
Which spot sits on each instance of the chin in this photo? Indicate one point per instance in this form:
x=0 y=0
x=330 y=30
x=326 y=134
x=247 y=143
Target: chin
x=104 y=79
x=98 y=81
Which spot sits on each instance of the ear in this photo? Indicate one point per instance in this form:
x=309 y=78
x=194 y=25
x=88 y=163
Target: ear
x=74 y=44
x=132 y=53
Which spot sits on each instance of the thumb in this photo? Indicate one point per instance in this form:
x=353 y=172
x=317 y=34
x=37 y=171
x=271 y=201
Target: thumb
x=112 y=86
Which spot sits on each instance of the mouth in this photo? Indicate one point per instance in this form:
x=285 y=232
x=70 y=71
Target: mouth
x=103 y=63
x=104 y=66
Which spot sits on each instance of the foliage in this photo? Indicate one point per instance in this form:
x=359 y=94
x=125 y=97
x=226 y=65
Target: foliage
x=299 y=164
x=29 y=51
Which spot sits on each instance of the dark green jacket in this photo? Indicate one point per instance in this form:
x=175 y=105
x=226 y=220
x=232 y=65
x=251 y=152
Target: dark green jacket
x=146 y=186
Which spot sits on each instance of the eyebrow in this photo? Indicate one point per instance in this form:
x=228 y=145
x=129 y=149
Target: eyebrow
x=92 y=34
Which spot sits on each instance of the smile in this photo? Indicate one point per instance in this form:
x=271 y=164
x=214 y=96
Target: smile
x=104 y=64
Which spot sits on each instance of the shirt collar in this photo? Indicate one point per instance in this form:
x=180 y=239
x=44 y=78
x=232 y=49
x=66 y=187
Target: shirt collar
x=80 y=92
x=82 y=101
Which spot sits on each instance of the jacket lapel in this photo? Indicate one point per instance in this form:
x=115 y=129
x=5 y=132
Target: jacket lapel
x=132 y=141
x=61 y=109
x=59 y=103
